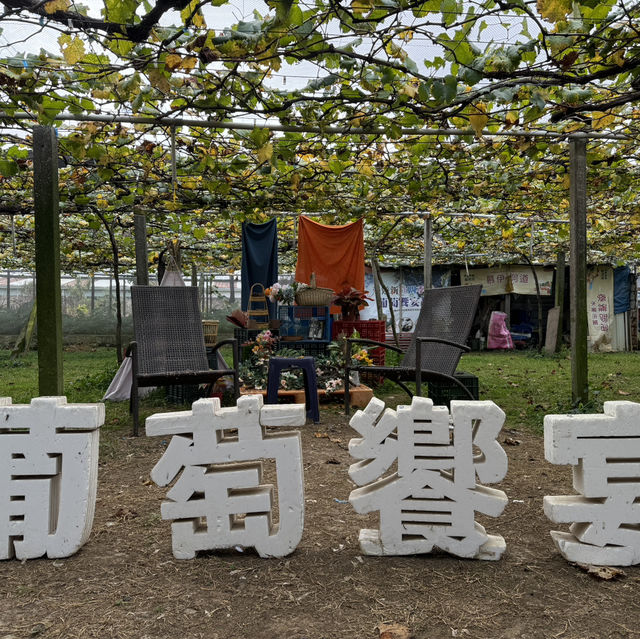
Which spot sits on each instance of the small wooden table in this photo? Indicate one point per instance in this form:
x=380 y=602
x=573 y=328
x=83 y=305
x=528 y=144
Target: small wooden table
x=359 y=395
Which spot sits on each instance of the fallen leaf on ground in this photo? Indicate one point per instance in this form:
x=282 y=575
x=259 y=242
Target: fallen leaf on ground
x=606 y=573
x=393 y=631
x=512 y=442
x=621 y=392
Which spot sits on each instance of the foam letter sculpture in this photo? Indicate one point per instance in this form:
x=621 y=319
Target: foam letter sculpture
x=220 y=500
x=48 y=476
x=429 y=502
x=604 y=451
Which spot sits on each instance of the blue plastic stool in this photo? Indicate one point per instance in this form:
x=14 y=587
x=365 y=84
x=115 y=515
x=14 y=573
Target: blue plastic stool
x=308 y=366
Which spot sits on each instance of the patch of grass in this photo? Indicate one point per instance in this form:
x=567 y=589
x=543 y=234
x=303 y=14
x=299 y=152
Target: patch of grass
x=526 y=385
x=86 y=374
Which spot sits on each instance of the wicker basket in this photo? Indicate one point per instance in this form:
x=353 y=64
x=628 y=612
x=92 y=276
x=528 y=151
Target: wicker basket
x=210 y=330
x=314 y=295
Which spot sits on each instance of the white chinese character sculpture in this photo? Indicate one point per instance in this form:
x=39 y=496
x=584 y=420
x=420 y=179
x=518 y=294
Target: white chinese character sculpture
x=48 y=476
x=604 y=451
x=220 y=500
x=430 y=500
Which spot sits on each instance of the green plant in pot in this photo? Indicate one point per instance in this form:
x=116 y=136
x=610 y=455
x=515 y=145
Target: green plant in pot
x=351 y=300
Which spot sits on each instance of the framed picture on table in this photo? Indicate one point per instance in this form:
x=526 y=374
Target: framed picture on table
x=316 y=328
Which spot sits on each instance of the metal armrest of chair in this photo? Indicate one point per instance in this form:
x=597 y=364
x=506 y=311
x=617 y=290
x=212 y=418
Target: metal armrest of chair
x=236 y=359
x=132 y=352
x=234 y=347
x=372 y=342
x=350 y=341
x=438 y=340
x=432 y=340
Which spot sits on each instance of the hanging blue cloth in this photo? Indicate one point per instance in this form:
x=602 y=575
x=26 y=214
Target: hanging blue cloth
x=621 y=289
x=259 y=258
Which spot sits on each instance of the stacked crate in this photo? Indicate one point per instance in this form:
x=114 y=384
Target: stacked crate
x=367 y=329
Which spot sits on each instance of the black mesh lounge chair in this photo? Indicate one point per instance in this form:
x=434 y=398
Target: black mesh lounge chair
x=438 y=341
x=169 y=342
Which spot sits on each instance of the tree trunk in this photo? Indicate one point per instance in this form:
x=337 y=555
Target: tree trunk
x=392 y=316
x=116 y=276
x=377 y=291
x=378 y=283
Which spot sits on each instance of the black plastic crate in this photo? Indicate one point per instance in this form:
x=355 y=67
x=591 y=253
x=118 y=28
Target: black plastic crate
x=248 y=336
x=311 y=349
x=184 y=393
x=442 y=392
x=245 y=335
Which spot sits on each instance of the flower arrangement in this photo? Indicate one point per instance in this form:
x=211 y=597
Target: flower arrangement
x=264 y=345
x=329 y=367
x=361 y=357
x=350 y=299
x=284 y=293
x=253 y=370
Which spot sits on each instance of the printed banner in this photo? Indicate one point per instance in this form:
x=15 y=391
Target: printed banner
x=509 y=279
x=406 y=286
x=599 y=308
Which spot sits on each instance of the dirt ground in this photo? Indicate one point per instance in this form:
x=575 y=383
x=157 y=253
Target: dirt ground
x=125 y=582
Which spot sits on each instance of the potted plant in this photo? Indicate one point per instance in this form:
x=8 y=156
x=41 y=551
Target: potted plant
x=350 y=300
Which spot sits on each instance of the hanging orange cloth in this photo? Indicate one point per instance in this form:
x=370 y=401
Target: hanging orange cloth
x=334 y=253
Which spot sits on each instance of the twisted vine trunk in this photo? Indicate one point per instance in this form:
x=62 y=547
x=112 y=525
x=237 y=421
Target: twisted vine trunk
x=116 y=274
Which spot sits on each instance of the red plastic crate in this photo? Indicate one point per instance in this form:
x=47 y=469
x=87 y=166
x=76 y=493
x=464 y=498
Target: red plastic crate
x=367 y=329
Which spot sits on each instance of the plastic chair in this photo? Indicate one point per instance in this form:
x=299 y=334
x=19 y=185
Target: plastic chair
x=168 y=346
x=437 y=342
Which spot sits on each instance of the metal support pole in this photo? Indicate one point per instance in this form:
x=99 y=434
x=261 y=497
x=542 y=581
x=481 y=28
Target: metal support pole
x=142 y=259
x=48 y=291
x=232 y=289
x=194 y=275
x=296 y=128
x=428 y=252
x=560 y=288
x=578 y=269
